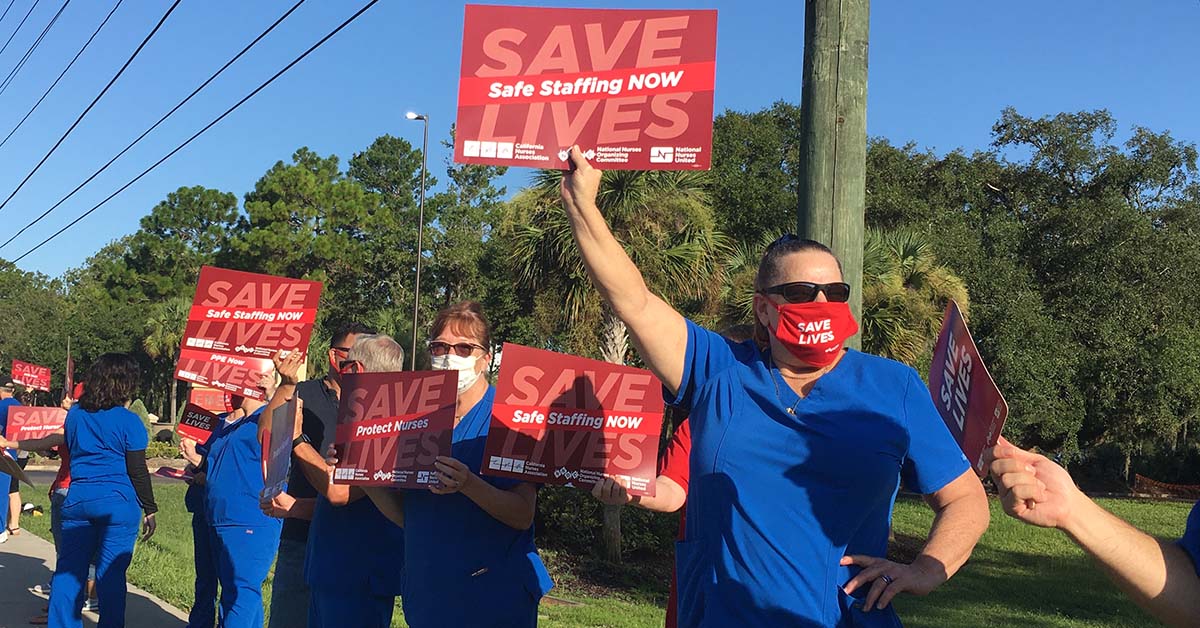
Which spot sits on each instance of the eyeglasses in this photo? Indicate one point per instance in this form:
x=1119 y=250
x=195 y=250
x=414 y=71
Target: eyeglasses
x=340 y=349
x=806 y=291
x=437 y=348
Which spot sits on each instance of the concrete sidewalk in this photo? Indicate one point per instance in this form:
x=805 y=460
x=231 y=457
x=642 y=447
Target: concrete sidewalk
x=27 y=560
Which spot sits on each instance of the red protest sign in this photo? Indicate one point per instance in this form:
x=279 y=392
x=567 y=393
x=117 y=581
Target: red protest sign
x=196 y=423
x=573 y=422
x=963 y=390
x=633 y=88
x=213 y=400
x=31 y=375
x=32 y=422
x=238 y=321
x=391 y=427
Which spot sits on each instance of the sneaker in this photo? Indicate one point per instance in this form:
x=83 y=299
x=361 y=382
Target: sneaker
x=41 y=589
x=92 y=605
x=4 y=536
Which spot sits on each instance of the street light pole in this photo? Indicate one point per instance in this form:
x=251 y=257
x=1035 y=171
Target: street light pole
x=412 y=358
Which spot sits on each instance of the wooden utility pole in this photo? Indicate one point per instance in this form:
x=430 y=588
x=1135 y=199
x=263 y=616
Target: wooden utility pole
x=833 y=133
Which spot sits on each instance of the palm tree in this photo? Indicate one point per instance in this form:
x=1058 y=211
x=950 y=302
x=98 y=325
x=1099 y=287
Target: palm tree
x=164 y=334
x=905 y=291
x=665 y=221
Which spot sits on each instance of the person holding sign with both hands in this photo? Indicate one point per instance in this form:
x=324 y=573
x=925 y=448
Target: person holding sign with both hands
x=798 y=445
x=470 y=536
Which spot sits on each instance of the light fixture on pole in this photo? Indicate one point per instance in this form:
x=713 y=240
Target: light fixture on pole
x=412 y=364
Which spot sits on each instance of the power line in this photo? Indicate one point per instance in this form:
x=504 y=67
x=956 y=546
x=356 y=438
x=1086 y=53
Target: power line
x=37 y=42
x=155 y=125
x=93 y=104
x=61 y=74
x=14 y=33
x=201 y=131
x=5 y=14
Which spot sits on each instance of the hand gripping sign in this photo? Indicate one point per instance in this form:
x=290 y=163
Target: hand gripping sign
x=963 y=390
x=33 y=422
x=391 y=427
x=238 y=321
x=196 y=424
x=562 y=419
x=31 y=375
x=634 y=89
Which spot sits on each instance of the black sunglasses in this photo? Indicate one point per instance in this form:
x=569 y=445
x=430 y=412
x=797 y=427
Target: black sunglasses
x=437 y=348
x=807 y=291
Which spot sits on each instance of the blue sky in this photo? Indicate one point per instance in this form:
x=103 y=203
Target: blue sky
x=940 y=72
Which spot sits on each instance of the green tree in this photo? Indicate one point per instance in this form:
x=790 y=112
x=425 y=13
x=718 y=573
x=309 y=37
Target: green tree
x=165 y=326
x=755 y=173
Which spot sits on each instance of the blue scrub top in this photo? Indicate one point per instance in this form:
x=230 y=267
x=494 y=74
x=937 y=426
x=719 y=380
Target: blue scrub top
x=777 y=499
x=451 y=544
x=235 y=475
x=193 y=499
x=98 y=442
x=5 y=404
x=354 y=548
x=1191 y=537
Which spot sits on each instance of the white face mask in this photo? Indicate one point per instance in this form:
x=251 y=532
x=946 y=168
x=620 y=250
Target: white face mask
x=467 y=375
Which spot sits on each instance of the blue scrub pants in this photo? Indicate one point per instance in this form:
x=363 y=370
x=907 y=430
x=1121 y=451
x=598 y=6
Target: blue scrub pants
x=244 y=556
x=335 y=608
x=5 y=479
x=102 y=521
x=204 y=610
x=57 y=499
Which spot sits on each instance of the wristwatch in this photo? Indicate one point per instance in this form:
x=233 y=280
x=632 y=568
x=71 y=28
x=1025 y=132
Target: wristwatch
x=302 y=438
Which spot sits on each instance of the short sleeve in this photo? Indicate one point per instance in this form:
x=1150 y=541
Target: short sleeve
x=675 y=459
x=1191 y=538
x=707 y=355
x=136 y=437
x=934 y=458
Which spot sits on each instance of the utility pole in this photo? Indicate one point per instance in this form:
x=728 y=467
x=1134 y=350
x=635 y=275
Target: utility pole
x=833 y=133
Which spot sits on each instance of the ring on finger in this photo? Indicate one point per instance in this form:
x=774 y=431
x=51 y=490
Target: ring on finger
x=888 y=579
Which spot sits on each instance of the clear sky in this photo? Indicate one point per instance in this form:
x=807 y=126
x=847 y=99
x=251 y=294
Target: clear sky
x=940 y=72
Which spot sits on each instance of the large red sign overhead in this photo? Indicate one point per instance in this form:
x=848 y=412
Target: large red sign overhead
x=562 y=419
x=963 y=390
x=633 y=88
x=238 y=321
x=32 y=422
x=391 y=427
x=31 y=375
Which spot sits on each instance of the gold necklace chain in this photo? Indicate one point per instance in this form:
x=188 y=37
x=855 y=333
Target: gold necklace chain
x=778 y=395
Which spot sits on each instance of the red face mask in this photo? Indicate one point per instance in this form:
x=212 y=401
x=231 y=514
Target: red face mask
x=815 y=332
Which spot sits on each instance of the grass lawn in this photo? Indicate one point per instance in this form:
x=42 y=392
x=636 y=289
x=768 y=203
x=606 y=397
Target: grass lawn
x=1018 y=576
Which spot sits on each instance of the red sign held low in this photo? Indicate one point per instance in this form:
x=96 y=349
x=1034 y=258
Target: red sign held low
x=963 y=390
x=633 y=88
x=391 y=427
x=196 y=424
x=33 y=422
x=573 y=422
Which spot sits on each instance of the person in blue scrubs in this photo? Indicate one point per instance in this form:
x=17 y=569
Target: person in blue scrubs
x=204 y=606
x=471 y=535
x=1162 y=577
x=7 y=400
x=798 y=445
x=110 y=494
x=243 y=539
x=350 y=583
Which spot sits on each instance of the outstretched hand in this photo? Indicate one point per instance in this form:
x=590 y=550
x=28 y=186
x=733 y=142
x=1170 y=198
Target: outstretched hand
x=580 y=184
x=1032 y=488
